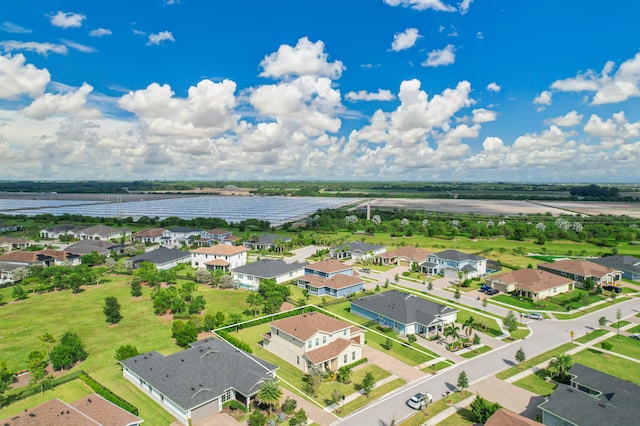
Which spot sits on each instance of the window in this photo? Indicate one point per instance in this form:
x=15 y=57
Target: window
x=297 y=360
x=353 y=356
x=345 y=358
x=309 y=344
x=324 y=340
x=226 y=396
x=277 y=332
x=344 y=332
x=317 y=341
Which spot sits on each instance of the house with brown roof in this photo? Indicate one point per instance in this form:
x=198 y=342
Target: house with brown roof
x=315 y=340
x=532 y=283
x=92 y=410
x=10 y=243
x=148 y=236
x=220 y=256
x=62 y=257
x=402 y=256
x=27 y=258
x=580 y=270
x=330 y=278
x=504 y=417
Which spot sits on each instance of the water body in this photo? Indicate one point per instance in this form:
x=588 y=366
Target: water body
x=233 y=209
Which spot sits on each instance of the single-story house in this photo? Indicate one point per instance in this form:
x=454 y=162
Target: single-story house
x=57 y=231
x=163 y=258
x=220 y=256
x=357 y=250
x=402 y=256
x=101 y=232
x=232 y=240
x=15 y=243
x=91 y=410
x=12 y=272
x=27 y=258
x=405 y=313
x=592 y=398
x=450 y=263
x=148 y=236
x=250 y=275
x=580 y=270
x=62 y=257
x=7 y=227
x=629 y=265
x=89 y=246
x=194 y=383
x=532 y=283
x=266 y=242
x=315 y=340
x=338 y=285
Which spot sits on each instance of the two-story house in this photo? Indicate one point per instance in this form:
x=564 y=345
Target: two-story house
x=315 y=340
x=250 y=275
x=357 y=250
x=220 y=256
x=331 y=278
x=148 y=236
x=179 y=235
x=450 y=263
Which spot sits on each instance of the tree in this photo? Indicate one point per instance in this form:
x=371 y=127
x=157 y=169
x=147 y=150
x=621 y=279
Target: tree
x=453 y=331
x=18 y=293
x=47 y=340
x=256 y=419
x=37 y=364
x=344 y=374
x=299 y=419
x=468 y=326
x=202 y=276
x=483 y=409
x=112 y=310
x=136 y=288
x=430 y=286
x=368 y=382
x=184 y=333
x=235 y=318
x=147 y=272
x=312 y=381
x=510 y=322
x=602 y=321
x=69 y=351
x=476 y=339
x=269 y=394
x=588 y=284
x=388 y=344
x=254 y=301
x=485 y=303
x=606 y=346
x=618 y=317
x=273 y=295
x=559 y=367
x=520 y=357
x=457 y=294
x=126 y=351
x=6 y=379
x=463 y=380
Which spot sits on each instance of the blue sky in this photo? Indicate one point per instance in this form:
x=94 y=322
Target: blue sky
x=429 y=90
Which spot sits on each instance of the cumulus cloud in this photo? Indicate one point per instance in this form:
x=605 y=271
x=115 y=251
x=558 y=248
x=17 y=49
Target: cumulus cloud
x=444 y=57
x=405 y=39
x=10 y=27
x=464 y=6
x=570 y=119
x=542 y=100
x=306 y=58
x=363 y=95
x=18 y=78
x=79 y=47
x=32 y=46
x=422 y=4
x=67 y=19
x=73 y=103
x=493 y=87
x=157 y=38
x=100 y=32
x=482 y=115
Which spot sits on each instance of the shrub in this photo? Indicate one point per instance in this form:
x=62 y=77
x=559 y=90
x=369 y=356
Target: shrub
x=411 y=338
x=289 y=405
x=235 y=405
x=107 y=394
x=235 y=341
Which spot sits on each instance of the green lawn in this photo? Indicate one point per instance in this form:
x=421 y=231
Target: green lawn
x=422 y=417
x=69 y=392
x=433 y=368
x=324 y=394
x=625 y=345
x=610 y=364
x=478 y=351
x=619 y=324
x=591 y=336
x=551 y=303
x=520 y=333
x=534 y=361
x=376 y=393
x=537 y=384
x=634 y=329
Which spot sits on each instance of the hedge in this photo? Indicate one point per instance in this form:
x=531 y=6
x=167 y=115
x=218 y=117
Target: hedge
x=358 y=362
x=36 y=389
x=107 y=394
x=240 y=344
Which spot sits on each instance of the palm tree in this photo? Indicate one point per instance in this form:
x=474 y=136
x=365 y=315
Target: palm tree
x=453 y=331
x=468 y=324
x=269 y=394
x=560 y=365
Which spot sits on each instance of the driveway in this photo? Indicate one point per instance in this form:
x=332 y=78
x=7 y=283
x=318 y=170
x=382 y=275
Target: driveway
x=392 y=365
x=301 y=254
x=510 y=396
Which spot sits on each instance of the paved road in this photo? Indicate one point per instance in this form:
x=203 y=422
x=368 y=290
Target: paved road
x=545 y=335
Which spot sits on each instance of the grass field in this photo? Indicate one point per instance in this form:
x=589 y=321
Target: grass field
x=535 y=361
x=536 y=383
x=610 y=364
x=625 y=345
x=591 y=336
x=376 y=393
x=478 y=351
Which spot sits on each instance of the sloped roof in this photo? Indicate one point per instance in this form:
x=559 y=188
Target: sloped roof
x=88 y=246
x=62 y=255
x=104 y=412
x=218 y=231
x=217 y=262
x=532 y=279
x=504 y=417
x=19 y=256
x=220 y=250
x=457 y=255
x=102 y=230
x=13 y=240
x=267 y=268
x=161 y=255
x=198 y=375
x=64 y=228
x=403 y=307
x=149 y=233
x=623 y=263
x=410 y=252
x=337 y=282
x=328 y=266
x=306 y=325
x=361 y=246
x=329 y=351
x=583 y=268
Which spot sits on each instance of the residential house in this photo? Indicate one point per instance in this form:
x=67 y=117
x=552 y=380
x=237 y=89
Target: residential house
x=357 y=250
x=535 y=284
x=101 y=232
x=504 y=417
x=180 y=235
x=55 y=232
x=452 y=263
x=405 y=313
x=220 y=256
x=194 y=383
x=10 y=243
x=89 y=246
x=592 y=398
x=315 y=340
x=232 y=240
x=7 y=227
x=331 y=278
x=27 y=258
x=148 y=236
x=402 y=256
x=12 y=272
x=62 y=257
x=629 y=265
x=580 y=270
x=250 y=275
x=163 y=258
x=91 y=410
x=217 y=234
x=266 y=242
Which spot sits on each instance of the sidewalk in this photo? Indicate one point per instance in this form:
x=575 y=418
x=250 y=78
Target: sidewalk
x=449 y=411
x=359 y=393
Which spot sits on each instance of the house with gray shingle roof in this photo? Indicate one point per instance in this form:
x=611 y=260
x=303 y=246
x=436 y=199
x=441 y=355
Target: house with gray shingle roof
x=163 y=258
x=449 y=263
x=357 y=250
x=405 y=313
x=250 y=275
x=194 y=383
x=629 y=265
x=592 y=398
x=265 y=242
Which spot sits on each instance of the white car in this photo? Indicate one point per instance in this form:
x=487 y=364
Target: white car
x=418 y=400
x=534 y=315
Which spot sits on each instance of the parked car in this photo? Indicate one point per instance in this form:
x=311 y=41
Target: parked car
x=418 y=400
x=485 y=288
x=534 y=315
x=635 y=336
x=491 y=291
x=365 y=270
x=614 y=288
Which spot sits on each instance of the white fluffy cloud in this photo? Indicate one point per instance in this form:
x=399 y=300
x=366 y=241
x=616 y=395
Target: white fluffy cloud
x=157 y=38
x=18 y=78
x=443 y=57
x=305 y=58
x=67 y=19
x=570 y=119
x=493 y=87
x=363 y=95
x=71 y=103
x=100 y=32
x=405 y=39
x=438 y=5
x=464 y=6
x=32 y=46
x=543 y=99
x=482 y=115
